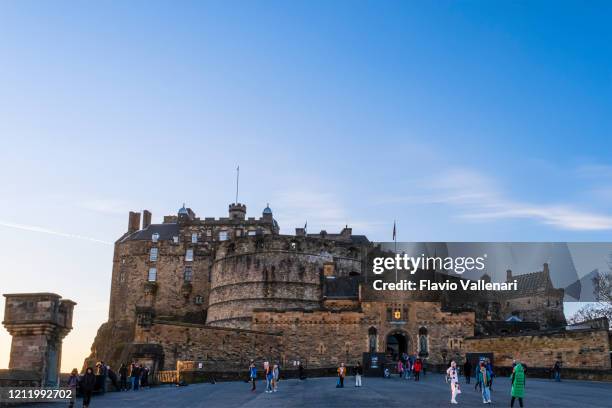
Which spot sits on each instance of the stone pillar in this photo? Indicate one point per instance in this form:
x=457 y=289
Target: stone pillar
x=38 y=323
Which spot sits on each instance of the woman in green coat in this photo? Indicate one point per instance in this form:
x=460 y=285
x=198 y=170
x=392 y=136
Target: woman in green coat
x=518 y=384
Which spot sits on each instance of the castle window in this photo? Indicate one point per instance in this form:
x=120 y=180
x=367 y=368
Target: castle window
x=209 y=233
x=189 y=255
x=153 y=254
x=152 y=277
x=238 y=232
x=188 y=274
x=194 y=238
x=252 y=233
x=175 y=239
x=155 y=237
x=222 y=235
x=198 y=300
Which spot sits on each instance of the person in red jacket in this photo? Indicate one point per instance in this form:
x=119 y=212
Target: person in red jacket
x=418 y=365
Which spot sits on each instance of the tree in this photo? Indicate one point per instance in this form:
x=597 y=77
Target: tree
x=602 y=289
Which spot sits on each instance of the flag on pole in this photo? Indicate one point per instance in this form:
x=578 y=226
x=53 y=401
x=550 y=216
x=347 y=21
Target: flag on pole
x=394 y=231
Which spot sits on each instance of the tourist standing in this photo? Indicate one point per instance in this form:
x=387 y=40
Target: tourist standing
x=484 y=379
x=123 y=371
x=400 y=368
x=407 y=368
x=518 y=384
x=252 y=374
x=275 y=377
x=358 y=374
x=144 y=376
x=341 y=374
x=87 y=386
x=417 y=369
x=557 y=371
x=452 y=376
x=268 y=374
x=135 y=376
x=103 y=375
x=467 y=370
x=301 y=371
x=73 y=381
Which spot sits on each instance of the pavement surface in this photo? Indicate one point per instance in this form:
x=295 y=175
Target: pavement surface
x=432 y=391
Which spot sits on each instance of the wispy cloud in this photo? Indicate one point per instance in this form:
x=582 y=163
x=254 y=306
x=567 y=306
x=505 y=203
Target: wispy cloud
x=33 y=228
x=475 y=196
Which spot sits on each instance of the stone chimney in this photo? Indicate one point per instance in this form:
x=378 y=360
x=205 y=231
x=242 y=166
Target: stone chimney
x=146 y=219
x=508 y=275
x=546 y=270
x=134 y=221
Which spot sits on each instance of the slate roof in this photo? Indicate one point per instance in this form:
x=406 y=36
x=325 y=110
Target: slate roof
x=533 y=282
x=165 y=231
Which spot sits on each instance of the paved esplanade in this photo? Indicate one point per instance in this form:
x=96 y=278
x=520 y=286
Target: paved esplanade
x=376 y=392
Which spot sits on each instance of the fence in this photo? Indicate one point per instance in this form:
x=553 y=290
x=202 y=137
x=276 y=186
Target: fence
x=166 y=377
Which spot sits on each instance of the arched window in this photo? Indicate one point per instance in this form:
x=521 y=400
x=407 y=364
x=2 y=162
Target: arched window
x=423 y=342
x=372 y=333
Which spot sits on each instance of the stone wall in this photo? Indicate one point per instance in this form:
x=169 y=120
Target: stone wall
x=231 y=349
x=576 y=349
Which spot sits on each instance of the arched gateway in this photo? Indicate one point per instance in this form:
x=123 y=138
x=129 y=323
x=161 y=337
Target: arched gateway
x=398 y=343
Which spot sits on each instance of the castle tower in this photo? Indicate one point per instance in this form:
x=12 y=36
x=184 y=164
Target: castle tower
x=38 y=322
x=237 y=211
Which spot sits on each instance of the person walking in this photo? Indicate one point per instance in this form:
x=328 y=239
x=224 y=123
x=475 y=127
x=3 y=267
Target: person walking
x=400 y=368
x=484 y=379
x=491 y=372
x=123 y=371
x=557 y=371
x=87 y=386
x=358 y=374
x=301 y=371
x=418 y=365
x=452 y=376
x=407 y=369
x=73 y=381
x=252 y=375
x=518 y=384
x=341 y=374
x=467 y=370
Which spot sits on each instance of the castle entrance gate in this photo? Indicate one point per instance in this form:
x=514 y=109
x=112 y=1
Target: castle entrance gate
x=397 y=343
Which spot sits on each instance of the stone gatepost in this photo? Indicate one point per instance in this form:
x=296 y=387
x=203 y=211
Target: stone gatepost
x=38 y=322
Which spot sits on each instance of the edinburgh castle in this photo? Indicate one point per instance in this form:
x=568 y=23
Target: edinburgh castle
x=223 y=291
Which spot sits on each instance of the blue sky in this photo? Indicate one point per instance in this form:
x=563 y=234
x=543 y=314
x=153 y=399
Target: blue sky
x=463 y=120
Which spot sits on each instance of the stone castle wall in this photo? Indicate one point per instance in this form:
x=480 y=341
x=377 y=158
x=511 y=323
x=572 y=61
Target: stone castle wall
x=272 y=272
x=231 y=349
x=576 y=349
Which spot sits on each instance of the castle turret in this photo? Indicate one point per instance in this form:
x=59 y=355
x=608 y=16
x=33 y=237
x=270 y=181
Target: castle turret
x=237 y=211
x=267 y=214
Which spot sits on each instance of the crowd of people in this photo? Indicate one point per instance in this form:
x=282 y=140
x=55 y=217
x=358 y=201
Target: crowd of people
x=96 y=380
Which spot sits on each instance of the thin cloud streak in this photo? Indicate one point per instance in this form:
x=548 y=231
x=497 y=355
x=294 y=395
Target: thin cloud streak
x=33 y=228
x=476 y=198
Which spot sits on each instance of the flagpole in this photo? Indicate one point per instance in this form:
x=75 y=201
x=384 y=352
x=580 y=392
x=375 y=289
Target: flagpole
x=237 y=181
